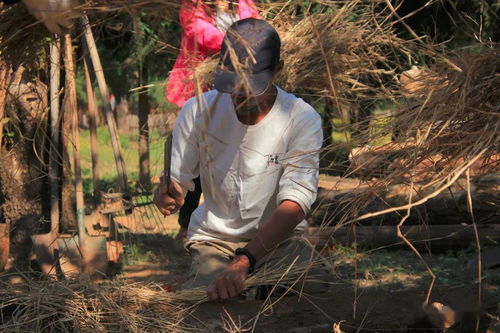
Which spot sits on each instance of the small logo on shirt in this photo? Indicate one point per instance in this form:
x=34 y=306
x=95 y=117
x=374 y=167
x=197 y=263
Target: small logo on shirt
x=272 y=159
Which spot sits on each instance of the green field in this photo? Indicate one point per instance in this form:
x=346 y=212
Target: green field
x=107 y=166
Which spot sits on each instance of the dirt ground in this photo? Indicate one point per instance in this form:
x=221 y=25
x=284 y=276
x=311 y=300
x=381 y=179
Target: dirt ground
x=371 y=291
x=386 y=300
x=385 y=296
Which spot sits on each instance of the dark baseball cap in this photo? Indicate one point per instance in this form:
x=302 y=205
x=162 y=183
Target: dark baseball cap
x=250 y=52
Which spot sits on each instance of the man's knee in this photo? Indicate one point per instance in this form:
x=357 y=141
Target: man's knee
x=207 y=261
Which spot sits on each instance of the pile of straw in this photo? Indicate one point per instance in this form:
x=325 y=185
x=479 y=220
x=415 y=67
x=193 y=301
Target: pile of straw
x=447 y=131
x=114 y=306
x=348 y=52
x=455 y=118
x=459 y=116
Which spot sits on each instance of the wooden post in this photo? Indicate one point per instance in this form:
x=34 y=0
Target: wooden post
x=144 y=106
x=103 y=87
x=443 y=236
x=144 y=166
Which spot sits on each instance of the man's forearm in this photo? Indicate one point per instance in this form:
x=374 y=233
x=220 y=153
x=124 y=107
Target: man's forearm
x=279 y=227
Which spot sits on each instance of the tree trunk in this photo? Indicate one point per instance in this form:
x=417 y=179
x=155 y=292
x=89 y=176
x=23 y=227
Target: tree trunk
x=22 y=166
x=144 y=168
x=68 y=199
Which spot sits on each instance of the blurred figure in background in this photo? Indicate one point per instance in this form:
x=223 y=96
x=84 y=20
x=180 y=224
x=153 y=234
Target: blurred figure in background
x=53 y=13
x=204 y=24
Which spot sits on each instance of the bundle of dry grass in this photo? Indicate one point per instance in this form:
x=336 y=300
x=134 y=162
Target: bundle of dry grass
x=114 y=306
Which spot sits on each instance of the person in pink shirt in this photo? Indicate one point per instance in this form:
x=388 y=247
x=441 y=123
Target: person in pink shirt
x=204 y=24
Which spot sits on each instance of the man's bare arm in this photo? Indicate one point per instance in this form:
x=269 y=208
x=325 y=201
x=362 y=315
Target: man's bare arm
x=279 y=227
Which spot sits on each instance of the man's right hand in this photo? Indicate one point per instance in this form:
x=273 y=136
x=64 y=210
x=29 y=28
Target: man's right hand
x=168 y=199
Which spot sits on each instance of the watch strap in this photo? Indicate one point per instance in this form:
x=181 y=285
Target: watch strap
x=245 y=252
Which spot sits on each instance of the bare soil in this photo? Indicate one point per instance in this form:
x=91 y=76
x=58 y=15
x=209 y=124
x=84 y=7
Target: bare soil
x=386 y=295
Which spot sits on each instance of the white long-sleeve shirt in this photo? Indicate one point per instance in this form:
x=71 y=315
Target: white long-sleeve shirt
x=246 y=170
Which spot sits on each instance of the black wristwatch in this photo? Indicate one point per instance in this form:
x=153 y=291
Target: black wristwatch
x=241 y=251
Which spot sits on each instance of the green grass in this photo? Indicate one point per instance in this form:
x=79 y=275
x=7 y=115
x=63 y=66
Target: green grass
x=399 y=269
x=107 y=165
x=340 y=131
x=138 y=253
x=380 y=126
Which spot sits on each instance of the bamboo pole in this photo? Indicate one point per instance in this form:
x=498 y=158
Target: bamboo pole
x=92 y=112
x=103 y=87
x=72 y=108
x=93 y=249
x=55 y=123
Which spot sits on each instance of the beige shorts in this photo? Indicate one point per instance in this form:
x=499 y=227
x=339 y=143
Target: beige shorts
x=210 y=258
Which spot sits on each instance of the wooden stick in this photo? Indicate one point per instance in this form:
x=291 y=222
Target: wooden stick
x=71 y=95
x=478 y=243
x=4 y=73
x=110 y=120
x=167 y=158
x=4 y=228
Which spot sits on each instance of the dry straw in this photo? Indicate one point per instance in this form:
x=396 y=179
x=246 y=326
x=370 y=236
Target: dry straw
x=448 y=125
x=347 y=52
x=115 y=306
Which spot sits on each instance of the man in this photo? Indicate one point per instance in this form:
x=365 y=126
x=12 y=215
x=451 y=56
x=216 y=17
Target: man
x=256 y=149
x=201 y=37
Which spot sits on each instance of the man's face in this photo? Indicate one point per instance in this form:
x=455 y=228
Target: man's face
x=246 y=104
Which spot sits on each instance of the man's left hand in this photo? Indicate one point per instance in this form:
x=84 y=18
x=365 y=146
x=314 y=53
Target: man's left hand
x=229 y=283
